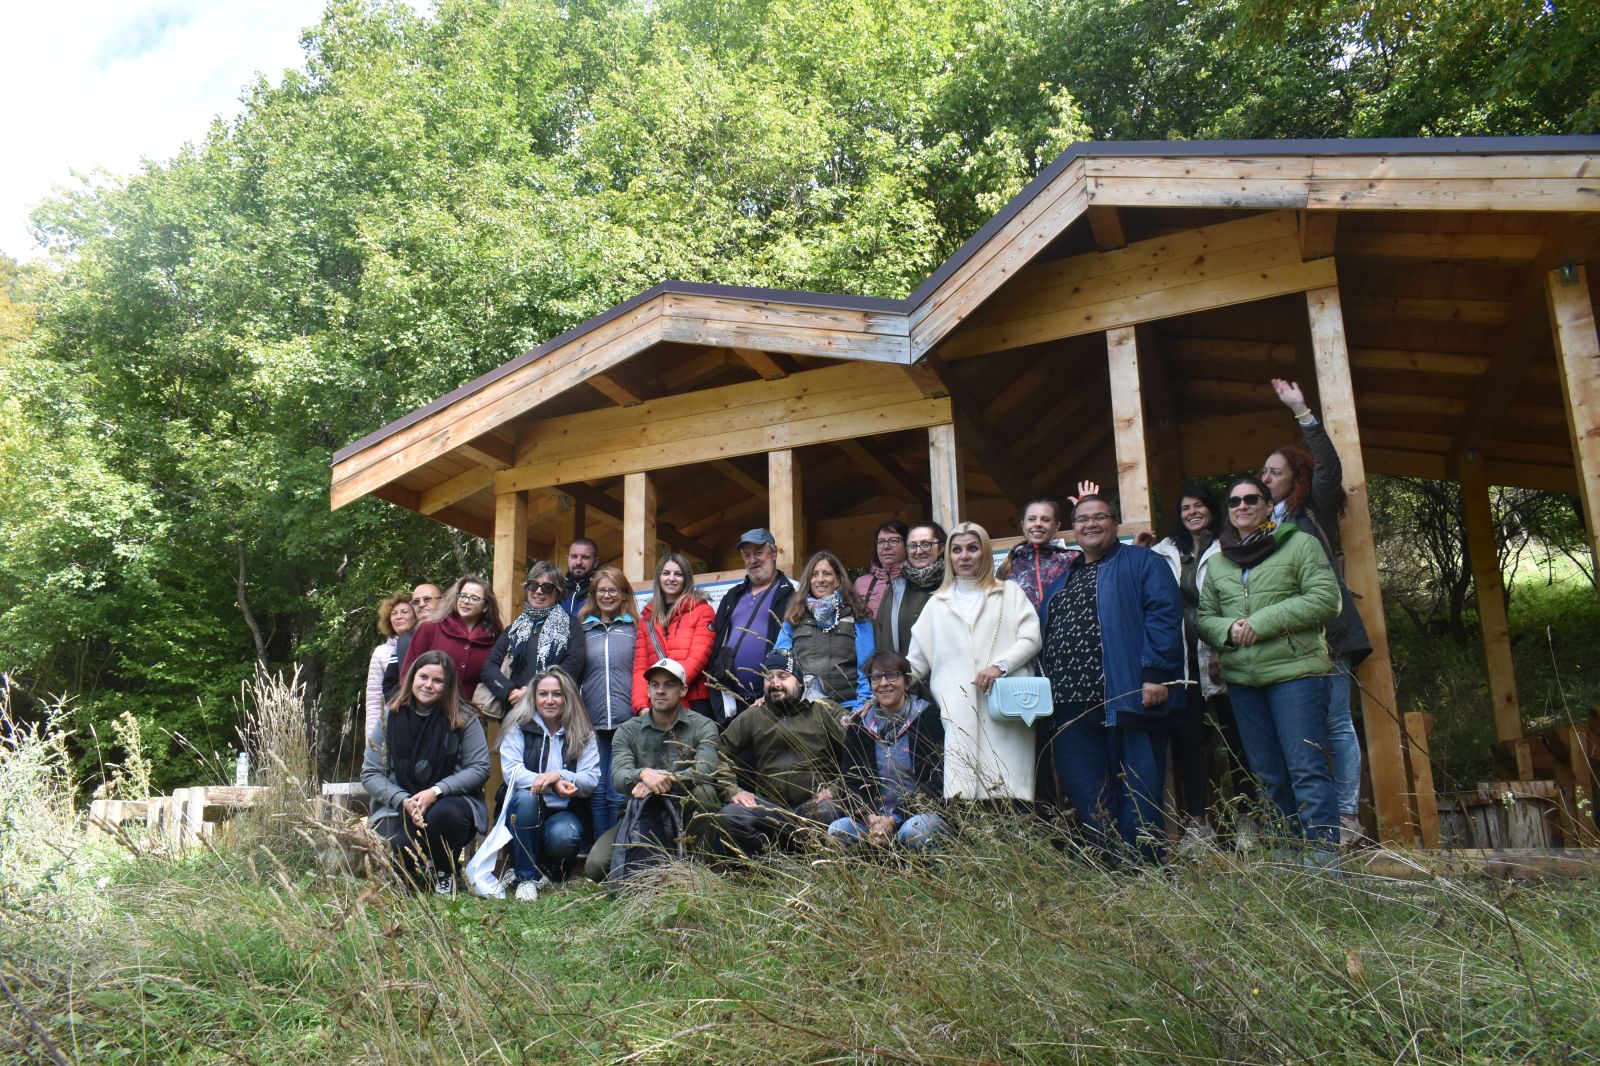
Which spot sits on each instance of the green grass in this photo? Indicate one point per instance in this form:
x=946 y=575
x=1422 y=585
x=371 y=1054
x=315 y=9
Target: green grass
x=1008 y=949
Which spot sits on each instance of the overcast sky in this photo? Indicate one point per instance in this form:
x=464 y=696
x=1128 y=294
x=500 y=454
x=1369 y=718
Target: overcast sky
x=108 y=83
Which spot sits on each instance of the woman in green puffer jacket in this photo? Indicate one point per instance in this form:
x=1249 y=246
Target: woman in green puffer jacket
x=1264 y=604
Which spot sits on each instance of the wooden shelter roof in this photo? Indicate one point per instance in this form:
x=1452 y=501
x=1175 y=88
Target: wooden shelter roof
x=1439 y=250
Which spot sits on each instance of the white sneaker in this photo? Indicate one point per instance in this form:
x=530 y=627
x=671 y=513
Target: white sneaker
x=527 y=891
x=444 y=885
x=1197 y=840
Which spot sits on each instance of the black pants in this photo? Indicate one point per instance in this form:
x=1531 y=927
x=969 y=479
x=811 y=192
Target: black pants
x=751 y=830
x=436 y=845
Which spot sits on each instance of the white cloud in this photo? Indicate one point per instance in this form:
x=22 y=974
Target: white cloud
x=108 y=84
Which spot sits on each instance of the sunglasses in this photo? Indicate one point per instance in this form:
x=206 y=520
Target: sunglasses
x=544 y=587
x=1249 y=499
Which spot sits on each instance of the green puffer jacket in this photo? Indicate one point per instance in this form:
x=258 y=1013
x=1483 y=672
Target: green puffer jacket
x=1289 y=597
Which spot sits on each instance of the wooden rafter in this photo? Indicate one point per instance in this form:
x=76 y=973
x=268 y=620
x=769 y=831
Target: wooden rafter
x=883 y=469
x=760 y=362
x=605 y=503
x=1105 y=223
x=986 y=445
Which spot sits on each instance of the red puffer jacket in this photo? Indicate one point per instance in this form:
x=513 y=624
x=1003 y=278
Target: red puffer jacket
x=688 y=640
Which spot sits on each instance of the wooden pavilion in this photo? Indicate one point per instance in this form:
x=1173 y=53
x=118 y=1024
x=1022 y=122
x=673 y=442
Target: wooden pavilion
x=1119 y=320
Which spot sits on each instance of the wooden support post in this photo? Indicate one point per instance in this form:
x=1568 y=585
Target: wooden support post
x=1375 y=680
x=944 y=467
x=638 y=528
x=1127 y=421
x=1487 y=582
x=784 y=515
x=510 y=551
x=1578 y=352
x=1418 y=725
x=571 y=521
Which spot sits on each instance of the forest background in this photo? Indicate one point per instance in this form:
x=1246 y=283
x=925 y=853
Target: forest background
x=428 y=196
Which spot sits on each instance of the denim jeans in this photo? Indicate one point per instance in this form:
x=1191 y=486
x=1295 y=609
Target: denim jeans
x=1114 y=778
x=1284 y=728
x=920 y=832
x=1344 y=750
x=552 y=841
x=604 y=804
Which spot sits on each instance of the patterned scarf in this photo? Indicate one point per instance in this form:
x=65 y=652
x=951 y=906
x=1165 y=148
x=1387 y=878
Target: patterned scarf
x=553 y=625
x=925 y=577
x=825 y=610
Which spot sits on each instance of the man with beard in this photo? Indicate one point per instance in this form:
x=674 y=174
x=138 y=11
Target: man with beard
x=794 y=745
x=583 y=555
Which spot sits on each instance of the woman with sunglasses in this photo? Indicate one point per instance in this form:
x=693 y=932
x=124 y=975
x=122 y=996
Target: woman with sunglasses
x=610 y=636
x=542 y=636
x=1265 y=601
x=463 y=625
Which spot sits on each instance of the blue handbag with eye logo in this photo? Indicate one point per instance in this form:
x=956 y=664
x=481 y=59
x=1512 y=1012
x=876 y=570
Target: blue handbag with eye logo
x=1024 y=699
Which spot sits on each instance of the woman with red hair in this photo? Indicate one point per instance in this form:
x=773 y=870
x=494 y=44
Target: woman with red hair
x=1307 y=486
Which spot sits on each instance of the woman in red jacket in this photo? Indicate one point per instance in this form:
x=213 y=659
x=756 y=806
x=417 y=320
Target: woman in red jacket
x=464 y=626
x=675 y=624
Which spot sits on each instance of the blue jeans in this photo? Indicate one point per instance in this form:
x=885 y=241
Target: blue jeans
x=1284 y=729
x=1113 y=778
x=604 y=804
x=920 y=832
x=1344 y=750
x=553 y=840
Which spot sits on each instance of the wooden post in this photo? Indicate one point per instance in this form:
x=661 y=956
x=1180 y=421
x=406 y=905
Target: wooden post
x=567 y=529
x=638 y=528
x=1578 y=351
x=945 y=481
x=510 y=551
x=784 y=516
x=1127 y=427
x=1381 y=716
x=1487 y=582
x=1418 y=725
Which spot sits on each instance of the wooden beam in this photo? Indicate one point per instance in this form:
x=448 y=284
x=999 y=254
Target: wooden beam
x=1215 y=266
x=1318 y=232
x=569 y=526
x=1491 y=594
x=1127 y=422
x=1482 y=247
x=449 y=493
x=1163 y=442
x=605 y=503
x=945 y=476
x=812 y=407
x=786 y=517
x=987 y=445
x=490 y=450
x=1578 y=350
x=638 y=528
x=1418 y=725
x=760 y=362
x=1106 y=225
x=777 y=325
x=1375 y=680
x=885 y=471
x=614 y=386
x=728 y=469
x=510 y=552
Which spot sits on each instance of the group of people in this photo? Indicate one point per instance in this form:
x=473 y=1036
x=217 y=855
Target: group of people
x=879 y=709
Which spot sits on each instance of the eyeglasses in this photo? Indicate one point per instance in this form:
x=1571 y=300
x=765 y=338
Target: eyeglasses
x=545 y=587
x=421 y=601
x=469 y=597
x=889 y=542
x=1249 y=499
x=607 y=593
x=920 y=546
x=880 y=679
x=1091 y=519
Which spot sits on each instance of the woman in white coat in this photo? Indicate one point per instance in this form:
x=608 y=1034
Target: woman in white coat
x=974 y=630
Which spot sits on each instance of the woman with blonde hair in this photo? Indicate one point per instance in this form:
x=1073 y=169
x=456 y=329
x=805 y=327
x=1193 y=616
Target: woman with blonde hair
x=396 y=618
x=974 y=630
x=610 y=634
x=829 y=628
x=551 y=764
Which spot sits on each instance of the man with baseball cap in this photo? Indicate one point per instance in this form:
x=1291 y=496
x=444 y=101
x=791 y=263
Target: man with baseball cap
x=747 y=622
x=794 y=746
x=668 y=755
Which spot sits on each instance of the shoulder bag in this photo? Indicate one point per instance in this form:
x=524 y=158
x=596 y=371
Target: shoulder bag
x=1026 y=699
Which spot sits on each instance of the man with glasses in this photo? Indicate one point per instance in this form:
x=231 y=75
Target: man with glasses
x=747 y=622
x=424 y=597
x=788 y=749
x=1112 y=626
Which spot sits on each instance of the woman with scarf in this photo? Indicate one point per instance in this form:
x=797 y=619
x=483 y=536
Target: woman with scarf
x=425 y=768
x=464 y=626
x=830 y=631
x=888 y=557
x=893 y=764
x=1266 y=598
x=1188 y=550
x=542 y=636
x=675 y=624
x=922 y=575
x=975 y=630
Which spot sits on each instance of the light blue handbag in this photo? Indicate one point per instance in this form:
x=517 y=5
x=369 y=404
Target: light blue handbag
x=1022 y=698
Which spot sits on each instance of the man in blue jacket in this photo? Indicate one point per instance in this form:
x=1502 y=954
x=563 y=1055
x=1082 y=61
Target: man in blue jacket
x=1112 y=626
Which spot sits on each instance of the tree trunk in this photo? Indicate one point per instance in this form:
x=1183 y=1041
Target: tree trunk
x=244 y=608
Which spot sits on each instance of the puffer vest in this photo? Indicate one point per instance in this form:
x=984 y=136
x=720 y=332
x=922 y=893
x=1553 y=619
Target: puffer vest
x=829 y=657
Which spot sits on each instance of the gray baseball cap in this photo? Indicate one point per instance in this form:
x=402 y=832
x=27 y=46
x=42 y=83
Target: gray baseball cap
x=757 y=536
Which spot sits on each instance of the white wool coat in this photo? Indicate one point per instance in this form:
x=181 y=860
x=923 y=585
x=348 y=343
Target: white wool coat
x=983 y=758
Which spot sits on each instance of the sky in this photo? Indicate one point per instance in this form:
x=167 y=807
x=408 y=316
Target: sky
x=88 y=84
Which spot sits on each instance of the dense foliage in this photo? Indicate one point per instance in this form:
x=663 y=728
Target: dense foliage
x=427 y=196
